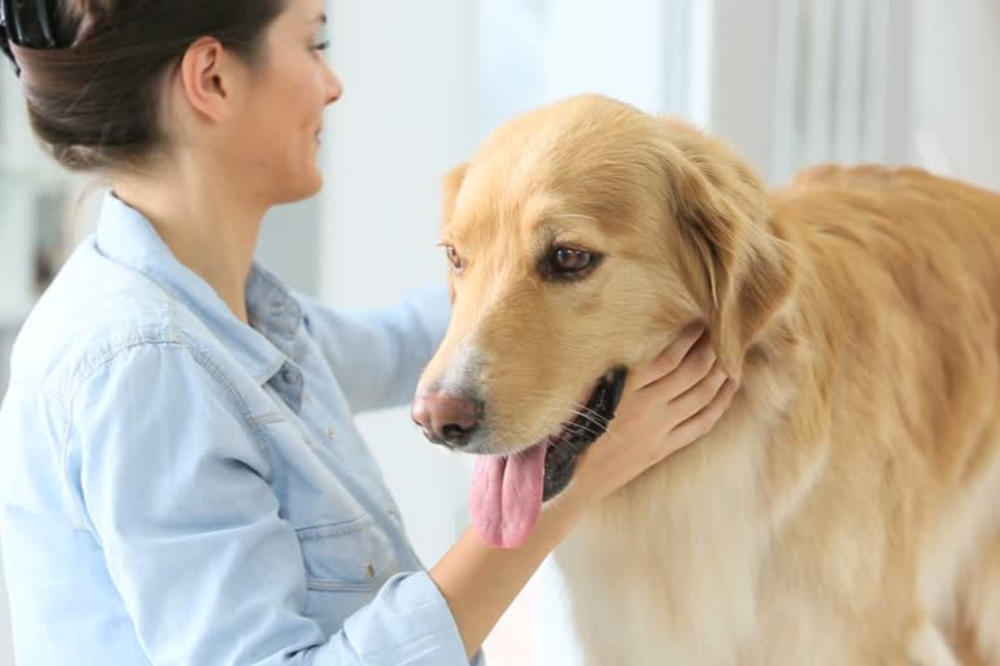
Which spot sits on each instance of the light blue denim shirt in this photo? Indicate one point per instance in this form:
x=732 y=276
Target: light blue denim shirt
x=181 y=488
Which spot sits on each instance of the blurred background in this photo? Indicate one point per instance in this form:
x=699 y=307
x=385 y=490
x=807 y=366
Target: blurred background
x=787 y=82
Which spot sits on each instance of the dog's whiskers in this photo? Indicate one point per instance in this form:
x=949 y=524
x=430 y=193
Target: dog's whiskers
x=577 y=409
x=586 y=424
x=592 y=422
x=589 y=425
x=574 y=428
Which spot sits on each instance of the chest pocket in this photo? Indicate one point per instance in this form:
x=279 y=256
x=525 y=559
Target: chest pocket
x=354 y=555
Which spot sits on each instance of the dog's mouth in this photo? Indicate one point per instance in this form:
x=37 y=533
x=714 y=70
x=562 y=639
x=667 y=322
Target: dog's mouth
x=507 y=491
x=564 y=447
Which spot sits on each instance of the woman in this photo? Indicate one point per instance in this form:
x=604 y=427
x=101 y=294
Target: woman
x=182 y=480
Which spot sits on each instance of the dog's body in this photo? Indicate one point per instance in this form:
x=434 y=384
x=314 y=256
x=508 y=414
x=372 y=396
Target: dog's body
x=846 y=509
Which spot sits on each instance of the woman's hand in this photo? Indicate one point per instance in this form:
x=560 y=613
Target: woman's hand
x=667 y=405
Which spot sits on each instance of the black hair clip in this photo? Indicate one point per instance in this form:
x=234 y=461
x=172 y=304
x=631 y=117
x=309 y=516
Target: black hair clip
x=28 y=24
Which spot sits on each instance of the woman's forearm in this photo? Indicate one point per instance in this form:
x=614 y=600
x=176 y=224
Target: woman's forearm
x=480 y=582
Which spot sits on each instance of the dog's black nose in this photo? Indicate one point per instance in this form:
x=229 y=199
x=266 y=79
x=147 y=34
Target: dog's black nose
x=446 y=419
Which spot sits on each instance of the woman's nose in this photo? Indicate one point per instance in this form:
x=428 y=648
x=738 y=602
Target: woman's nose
x=334 y=87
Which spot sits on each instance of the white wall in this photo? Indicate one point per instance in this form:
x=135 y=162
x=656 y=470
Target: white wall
x=6 y=643
x=289 y=238
x=742 y=99
x=800 y=82
x=956 y=85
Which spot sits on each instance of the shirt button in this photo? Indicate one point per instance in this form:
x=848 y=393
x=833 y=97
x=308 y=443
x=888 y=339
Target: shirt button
x=330 y=432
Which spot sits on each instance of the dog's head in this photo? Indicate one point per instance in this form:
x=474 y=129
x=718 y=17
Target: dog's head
x=582 y=238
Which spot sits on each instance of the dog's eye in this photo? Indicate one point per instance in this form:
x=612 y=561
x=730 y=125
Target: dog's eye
x=453 y=257
x=568 y=259
x=569 y=262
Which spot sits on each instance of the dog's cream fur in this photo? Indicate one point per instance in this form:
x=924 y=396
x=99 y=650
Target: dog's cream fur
x=846 y=509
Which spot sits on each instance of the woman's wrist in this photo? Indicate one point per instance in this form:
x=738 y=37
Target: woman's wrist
x=479 y=581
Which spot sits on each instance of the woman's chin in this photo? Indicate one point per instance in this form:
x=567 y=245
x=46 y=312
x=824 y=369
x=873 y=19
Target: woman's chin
x=315 y=183
x=304 y=188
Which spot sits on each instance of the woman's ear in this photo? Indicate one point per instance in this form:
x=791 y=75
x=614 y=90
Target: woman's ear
x=721 y=208
x=204 y=74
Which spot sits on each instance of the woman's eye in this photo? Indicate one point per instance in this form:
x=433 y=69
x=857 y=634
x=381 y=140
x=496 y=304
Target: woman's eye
x=454 y=258
x=321 y=42
x=569 y=263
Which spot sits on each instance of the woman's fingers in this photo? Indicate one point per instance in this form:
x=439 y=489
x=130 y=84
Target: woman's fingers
x=701 y=423
x=671 y=357
x=697 y=397
x=698 y=362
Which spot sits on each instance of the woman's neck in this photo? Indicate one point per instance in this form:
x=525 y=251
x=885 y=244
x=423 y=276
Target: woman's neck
x=210 y=224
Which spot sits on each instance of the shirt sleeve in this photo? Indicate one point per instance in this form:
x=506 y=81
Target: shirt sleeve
x=378 y=355
x=174 y=483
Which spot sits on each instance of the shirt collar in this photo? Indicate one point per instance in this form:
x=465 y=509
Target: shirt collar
x=125 y=236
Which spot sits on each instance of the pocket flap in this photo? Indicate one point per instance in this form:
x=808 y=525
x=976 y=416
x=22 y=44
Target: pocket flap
x=350 y=555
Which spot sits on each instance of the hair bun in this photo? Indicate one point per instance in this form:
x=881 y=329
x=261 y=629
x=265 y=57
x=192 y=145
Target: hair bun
x=83 y=19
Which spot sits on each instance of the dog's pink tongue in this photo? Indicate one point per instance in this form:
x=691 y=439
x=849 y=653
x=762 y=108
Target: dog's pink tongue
x=506 y=496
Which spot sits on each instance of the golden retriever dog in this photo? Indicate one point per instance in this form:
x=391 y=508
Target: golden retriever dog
x=846 y=508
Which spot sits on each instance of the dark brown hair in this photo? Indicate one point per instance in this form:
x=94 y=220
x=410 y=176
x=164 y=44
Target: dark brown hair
x=95 y=104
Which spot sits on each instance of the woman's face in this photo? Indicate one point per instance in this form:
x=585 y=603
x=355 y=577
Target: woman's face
x=276 y=135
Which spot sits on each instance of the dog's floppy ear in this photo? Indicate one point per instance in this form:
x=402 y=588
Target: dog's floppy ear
x=451 y=184
x=721 y=208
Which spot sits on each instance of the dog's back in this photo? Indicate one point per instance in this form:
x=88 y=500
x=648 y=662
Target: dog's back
x=903 y=298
